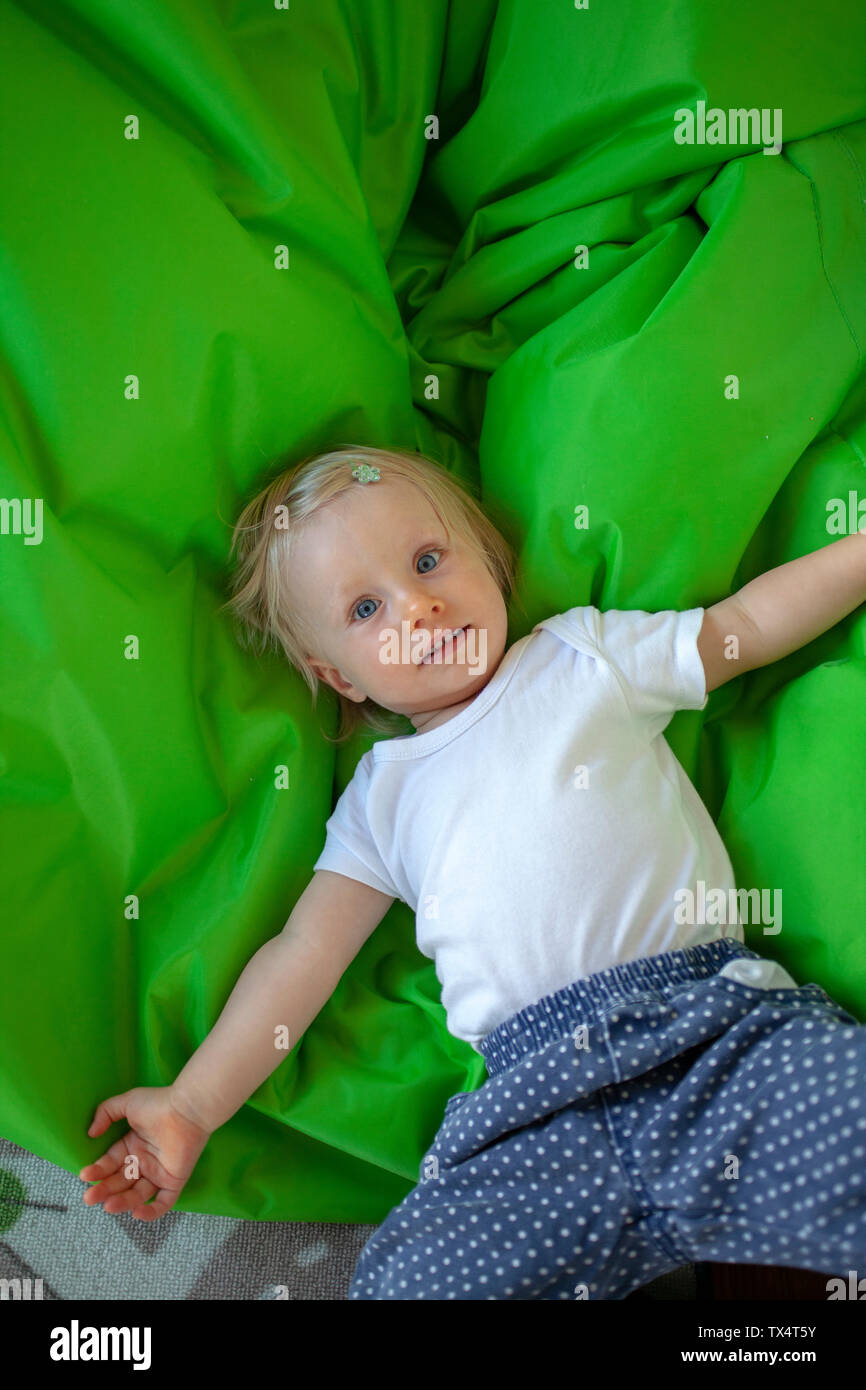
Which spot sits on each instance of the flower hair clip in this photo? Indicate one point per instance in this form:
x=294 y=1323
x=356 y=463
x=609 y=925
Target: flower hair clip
x=366 y=474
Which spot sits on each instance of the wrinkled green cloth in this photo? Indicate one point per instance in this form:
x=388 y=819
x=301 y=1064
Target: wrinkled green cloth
x=159 y=365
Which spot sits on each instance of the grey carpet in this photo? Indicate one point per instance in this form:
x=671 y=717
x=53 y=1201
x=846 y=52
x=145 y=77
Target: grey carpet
x=79 y=1252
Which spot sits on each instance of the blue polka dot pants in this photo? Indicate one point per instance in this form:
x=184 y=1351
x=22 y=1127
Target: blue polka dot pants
x=690 y=1106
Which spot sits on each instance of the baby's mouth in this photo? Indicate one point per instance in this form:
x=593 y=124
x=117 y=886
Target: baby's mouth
x=451 y=637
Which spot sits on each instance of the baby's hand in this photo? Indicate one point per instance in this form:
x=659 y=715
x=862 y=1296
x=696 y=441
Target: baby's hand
x=156 y=1155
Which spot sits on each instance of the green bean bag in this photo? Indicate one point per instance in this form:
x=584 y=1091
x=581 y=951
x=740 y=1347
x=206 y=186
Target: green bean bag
x=234 y=233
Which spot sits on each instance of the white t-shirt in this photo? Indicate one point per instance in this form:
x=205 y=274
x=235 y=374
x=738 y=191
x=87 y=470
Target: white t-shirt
x=542 y=833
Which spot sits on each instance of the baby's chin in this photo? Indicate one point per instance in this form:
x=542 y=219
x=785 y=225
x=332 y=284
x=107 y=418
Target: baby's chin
x=439 y=700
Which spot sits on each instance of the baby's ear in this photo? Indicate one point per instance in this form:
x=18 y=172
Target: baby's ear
x=332 y=677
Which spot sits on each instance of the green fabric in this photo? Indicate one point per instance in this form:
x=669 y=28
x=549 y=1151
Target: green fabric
x=432 y=301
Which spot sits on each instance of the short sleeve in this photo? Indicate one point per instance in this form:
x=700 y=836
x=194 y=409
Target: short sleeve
x=655 y=656
x=349 y=846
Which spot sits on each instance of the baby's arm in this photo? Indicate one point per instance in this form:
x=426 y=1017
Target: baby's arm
x=783 y=609
x=284 y=985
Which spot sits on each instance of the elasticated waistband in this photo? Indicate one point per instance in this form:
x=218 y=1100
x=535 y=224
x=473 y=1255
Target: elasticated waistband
x=583 y=1001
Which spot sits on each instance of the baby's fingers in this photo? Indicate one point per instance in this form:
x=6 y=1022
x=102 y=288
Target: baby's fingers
x=114 y=1108
x=127 y=1198
x=165 y=1200
x=109 y=1187
x=107 y=1164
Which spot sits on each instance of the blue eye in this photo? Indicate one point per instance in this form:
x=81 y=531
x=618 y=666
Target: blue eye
x=362 y=601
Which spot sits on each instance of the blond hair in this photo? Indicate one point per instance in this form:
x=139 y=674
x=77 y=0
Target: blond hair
x=264 y=533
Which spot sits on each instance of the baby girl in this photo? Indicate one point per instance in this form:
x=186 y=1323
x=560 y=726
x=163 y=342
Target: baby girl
x=657 y=1092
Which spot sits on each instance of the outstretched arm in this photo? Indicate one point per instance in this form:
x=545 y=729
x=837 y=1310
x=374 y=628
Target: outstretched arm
x=783 y=609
